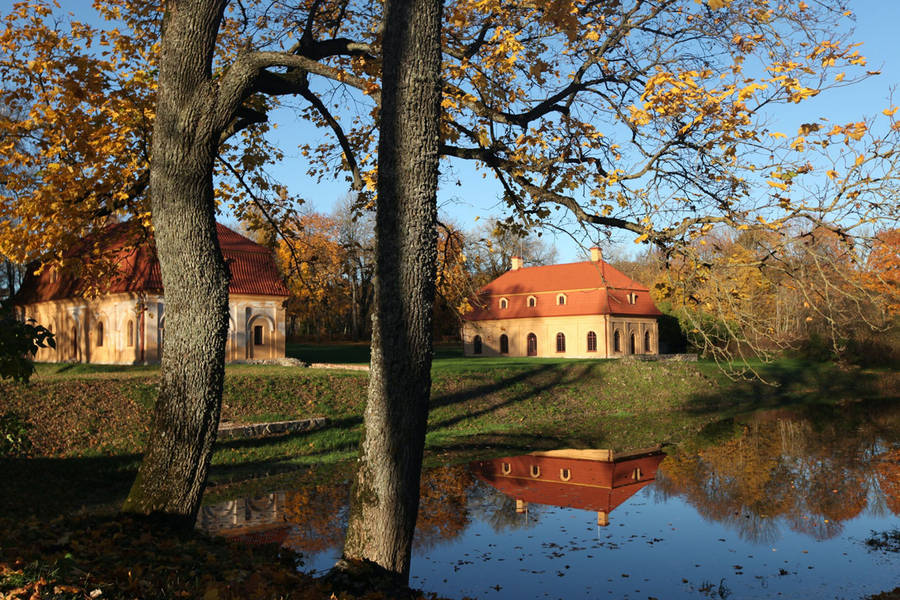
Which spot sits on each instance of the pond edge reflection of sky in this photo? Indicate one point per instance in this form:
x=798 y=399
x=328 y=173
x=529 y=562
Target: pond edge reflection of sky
x=754 y=517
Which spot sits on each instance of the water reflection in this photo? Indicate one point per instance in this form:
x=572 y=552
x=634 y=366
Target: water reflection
x=259 y=520
x=777 y=502
x=811 y=477
x=594 y=480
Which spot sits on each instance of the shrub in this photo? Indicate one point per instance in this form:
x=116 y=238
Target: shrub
x=14 y=439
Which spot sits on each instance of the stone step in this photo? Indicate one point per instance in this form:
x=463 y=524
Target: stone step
x=234 y=431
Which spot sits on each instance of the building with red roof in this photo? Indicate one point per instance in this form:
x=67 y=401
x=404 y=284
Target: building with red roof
x=578 y=310
x=125 y=323
x=594 y=480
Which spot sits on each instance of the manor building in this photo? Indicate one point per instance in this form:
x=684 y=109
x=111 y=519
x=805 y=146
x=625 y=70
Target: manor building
x=578 y=310
x=126 y=323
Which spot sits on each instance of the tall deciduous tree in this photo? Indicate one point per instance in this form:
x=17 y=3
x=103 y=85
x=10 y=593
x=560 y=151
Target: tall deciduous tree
x=195 y=113
x=385 y=498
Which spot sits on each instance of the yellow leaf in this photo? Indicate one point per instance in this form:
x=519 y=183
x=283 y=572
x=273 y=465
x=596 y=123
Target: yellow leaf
x=777 y=184
x=860 y=159
x=640 y=238
x=777 y=135
x=831 y=174
x=889 y=112
x=839 y=76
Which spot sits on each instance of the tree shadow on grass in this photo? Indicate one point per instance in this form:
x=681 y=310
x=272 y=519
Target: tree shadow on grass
x=491 y=393
x=793 y=383
x=48 y=487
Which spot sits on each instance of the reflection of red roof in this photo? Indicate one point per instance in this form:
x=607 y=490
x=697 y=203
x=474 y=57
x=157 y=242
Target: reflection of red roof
x=269 y=533
x=596 y=485
x=590 y=287
x=252 y=267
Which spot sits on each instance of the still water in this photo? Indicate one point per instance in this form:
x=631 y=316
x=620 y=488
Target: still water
x=772 y=506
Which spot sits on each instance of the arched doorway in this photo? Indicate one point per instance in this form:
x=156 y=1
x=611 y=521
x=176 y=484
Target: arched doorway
x=532 y=344
x=476 y=345
x=631 y=347
x=504 y=344
x=647 y=342
x=260 y=337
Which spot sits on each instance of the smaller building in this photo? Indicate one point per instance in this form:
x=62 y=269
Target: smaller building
x=578 y=310
x=126 y=324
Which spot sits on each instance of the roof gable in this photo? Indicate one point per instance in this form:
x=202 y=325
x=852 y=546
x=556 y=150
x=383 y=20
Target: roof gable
x=136 y=268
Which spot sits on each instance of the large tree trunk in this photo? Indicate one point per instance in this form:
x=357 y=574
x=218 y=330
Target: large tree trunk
x=386 y=493
x=173 y=473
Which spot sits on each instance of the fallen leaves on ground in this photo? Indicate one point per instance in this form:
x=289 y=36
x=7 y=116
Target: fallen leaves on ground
x=76 y=558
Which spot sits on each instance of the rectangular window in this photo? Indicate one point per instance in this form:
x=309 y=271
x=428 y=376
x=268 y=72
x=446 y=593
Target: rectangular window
x=257 y=336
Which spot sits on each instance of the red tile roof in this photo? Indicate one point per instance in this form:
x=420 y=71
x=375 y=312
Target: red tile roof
x=591 y=288
x=252 y=267
x=593 y=485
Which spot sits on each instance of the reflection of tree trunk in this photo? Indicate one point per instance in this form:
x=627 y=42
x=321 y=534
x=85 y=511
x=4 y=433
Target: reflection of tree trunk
x=386 y=494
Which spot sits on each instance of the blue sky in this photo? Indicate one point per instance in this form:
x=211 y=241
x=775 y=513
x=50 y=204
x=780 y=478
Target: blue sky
x=478 y=198
x=465 y=197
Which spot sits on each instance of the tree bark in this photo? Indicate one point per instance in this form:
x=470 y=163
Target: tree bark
x=186 y=133
x=386 y=492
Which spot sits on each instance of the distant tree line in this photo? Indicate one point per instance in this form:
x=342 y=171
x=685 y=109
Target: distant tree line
x=328 y=263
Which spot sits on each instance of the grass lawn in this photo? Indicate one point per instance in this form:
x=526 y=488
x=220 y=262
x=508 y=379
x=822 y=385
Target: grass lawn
x=357 y=353
x=88 y=423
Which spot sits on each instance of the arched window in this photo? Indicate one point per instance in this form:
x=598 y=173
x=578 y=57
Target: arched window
x=532 y=301
x=535 y=471
x=504 y=302
x=476 y=345
x=561 y=299
x=75 y=342
x=560 y=342
x=129 y=333
x=565 y=474
x=592 y=341
x=99 y=334
x=647 y=342
x=532 y=344
x=631 y=347
x=504 y=344
x=258 y=335
x=617 y=342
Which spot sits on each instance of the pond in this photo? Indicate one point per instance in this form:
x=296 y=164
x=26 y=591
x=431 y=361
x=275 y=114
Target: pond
x=775 y=505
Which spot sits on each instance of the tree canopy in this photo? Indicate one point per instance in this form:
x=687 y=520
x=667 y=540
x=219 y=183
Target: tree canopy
x=648 y=117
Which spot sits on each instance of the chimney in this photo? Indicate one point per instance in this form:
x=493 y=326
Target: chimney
x=516 y=262
x=596 y=254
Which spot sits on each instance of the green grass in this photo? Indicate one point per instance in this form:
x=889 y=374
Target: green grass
x=356 y=353
x=89 y=422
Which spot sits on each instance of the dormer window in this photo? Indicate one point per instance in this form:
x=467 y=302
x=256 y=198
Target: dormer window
x=632 y=298
x=504 y=303
x=532 y=301
x=561 y=299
